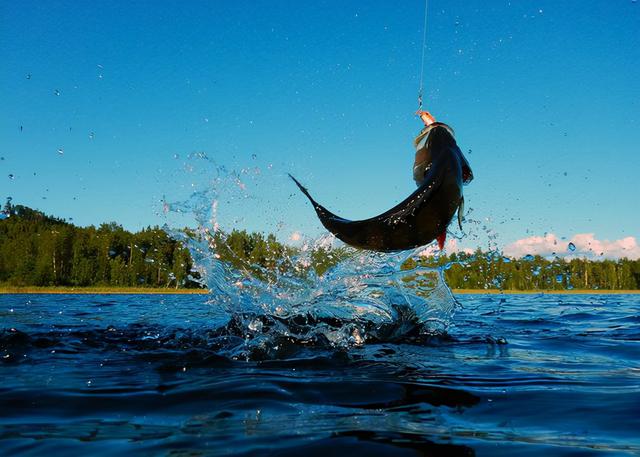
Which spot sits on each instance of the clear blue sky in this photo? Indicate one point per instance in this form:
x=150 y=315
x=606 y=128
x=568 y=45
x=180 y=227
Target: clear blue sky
x=545 y=94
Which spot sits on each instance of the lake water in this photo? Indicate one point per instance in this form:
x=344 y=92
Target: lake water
x=167 y=375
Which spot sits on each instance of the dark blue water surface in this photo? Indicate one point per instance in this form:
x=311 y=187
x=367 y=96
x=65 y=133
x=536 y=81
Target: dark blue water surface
x=170 y=375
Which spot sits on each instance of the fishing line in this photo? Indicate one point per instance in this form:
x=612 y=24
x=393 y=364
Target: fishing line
x=424 y=48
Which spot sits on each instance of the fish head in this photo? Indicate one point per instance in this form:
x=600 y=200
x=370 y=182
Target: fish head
x=440 y=137
x=430 y=140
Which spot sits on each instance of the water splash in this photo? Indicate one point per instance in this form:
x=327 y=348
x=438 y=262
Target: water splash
x=362 y=296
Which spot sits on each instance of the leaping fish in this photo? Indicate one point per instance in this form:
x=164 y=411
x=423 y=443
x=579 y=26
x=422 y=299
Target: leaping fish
x=440 y=169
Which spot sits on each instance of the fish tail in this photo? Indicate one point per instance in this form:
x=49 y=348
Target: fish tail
x=328 y=219
x=304 y=190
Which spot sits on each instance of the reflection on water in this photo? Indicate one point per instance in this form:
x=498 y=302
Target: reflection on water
x=172 y=374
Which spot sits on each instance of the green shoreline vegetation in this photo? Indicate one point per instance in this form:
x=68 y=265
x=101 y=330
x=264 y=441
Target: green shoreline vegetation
x=44 y=254
x=167 y=291
x=98 y=290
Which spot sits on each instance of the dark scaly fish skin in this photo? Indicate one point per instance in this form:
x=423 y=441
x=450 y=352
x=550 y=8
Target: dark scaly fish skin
x=422 y=216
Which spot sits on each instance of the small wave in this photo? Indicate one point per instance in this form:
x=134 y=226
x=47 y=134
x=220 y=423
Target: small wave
x=246 y=336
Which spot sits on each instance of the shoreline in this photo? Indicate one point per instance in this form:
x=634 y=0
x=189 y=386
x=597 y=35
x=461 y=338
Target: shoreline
x=30 y=290
x=545 y=292
x=5 y=290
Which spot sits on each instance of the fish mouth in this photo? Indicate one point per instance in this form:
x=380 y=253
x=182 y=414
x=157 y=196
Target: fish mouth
x=422 y=137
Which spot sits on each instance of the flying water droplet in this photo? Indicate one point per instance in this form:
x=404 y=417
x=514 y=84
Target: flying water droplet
x=528 y=258
x=92 y=135
x=28 y=76
x=56 y=93
x=11 y=176
x=571 y=247
x=559 y=279
x=60 y=151
x=256 y=326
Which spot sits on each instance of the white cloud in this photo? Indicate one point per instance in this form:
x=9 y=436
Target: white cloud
x=586 y=245
x=450 y=246
x=624 y=247
x=534 y=245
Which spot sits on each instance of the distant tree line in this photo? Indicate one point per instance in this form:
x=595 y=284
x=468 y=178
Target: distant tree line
x=259 y=254
x=482 y=270
x=39 y=250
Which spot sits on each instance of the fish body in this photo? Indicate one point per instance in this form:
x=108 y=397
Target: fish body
x=440 y=170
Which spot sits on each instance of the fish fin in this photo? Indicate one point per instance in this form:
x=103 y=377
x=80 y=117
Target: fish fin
x=441 y=239
x=461 y=212
x=467 y=174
